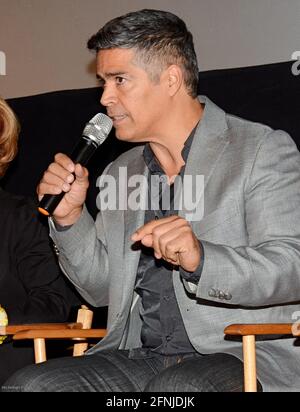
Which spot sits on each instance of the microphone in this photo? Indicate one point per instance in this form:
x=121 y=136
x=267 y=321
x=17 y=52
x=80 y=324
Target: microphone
x=93 y=135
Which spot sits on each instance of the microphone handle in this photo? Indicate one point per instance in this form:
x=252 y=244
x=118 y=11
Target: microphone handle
x=82 y=153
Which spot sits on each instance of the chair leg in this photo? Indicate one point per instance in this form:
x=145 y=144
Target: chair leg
x=40 y=350
x=85 y=316
x=250 y=379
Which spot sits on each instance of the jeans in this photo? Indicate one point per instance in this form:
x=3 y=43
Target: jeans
x=118 y=371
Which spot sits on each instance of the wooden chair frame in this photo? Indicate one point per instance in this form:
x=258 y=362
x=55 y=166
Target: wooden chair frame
x=249 y=333
x=39 y=332
x=81 y=330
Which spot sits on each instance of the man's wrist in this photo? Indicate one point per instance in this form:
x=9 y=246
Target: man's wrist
x=68 y=220
x=195 y=276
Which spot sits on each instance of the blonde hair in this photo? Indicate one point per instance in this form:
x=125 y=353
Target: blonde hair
x=9 y=132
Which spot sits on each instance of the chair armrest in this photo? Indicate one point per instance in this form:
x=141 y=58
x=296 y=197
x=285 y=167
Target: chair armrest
x=263 y=329
x=12 y=329
x=59 y=334
x=248 y=333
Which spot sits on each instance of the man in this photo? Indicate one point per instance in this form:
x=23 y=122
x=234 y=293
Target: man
x=174 y=280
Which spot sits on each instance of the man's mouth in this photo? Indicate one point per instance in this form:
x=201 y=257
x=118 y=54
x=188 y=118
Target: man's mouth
x=117 y=118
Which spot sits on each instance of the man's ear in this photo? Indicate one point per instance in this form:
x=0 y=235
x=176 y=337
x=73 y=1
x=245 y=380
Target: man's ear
x=174 y=79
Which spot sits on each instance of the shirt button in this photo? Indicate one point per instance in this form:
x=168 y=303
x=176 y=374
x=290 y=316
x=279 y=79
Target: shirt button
x=166 y=298
x=168 y=338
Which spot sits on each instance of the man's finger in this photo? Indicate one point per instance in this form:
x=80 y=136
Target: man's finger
x=147 y=241
x=64 y=161
x=147 y=229
x=169 y=241
x=81 y=173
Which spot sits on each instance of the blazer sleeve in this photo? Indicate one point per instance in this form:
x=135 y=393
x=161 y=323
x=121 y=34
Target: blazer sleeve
x=48 y=298
x=267 y=270
x=83 y=256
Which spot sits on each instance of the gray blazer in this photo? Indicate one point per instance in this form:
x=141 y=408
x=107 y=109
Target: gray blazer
x=251 y=237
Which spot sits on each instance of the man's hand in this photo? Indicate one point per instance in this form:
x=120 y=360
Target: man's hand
x=64 y=176
x=173 y=240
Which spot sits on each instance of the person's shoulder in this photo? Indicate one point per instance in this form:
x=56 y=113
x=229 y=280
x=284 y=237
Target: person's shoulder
x=14 y=204
x=10 y=200
x=239 y=130
x=131 y=158
x=130 y=155
x=239 y=124
x=254 y=134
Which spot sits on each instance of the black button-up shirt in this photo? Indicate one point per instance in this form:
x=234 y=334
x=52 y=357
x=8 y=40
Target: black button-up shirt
x=163 y=330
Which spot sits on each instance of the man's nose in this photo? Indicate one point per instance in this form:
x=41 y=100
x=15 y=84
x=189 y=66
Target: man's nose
x=108 y=97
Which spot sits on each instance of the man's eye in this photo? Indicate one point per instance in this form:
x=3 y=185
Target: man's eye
x=120 y=80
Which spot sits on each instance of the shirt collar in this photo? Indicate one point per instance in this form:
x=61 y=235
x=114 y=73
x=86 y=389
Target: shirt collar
x=152 y=162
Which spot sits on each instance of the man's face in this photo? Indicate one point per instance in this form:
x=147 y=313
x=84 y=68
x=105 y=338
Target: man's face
x=135 y=104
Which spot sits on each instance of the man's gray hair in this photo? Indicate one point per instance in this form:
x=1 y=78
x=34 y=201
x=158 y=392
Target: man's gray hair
x=160 y=39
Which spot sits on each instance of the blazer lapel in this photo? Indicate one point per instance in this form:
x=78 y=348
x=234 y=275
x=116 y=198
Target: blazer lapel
x=133 y=219
x=210 y=142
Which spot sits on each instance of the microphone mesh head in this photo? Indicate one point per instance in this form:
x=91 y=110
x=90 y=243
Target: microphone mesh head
x=98 y=128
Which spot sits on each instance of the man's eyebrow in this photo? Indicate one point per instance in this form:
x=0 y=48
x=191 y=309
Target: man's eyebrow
x=109 y=75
